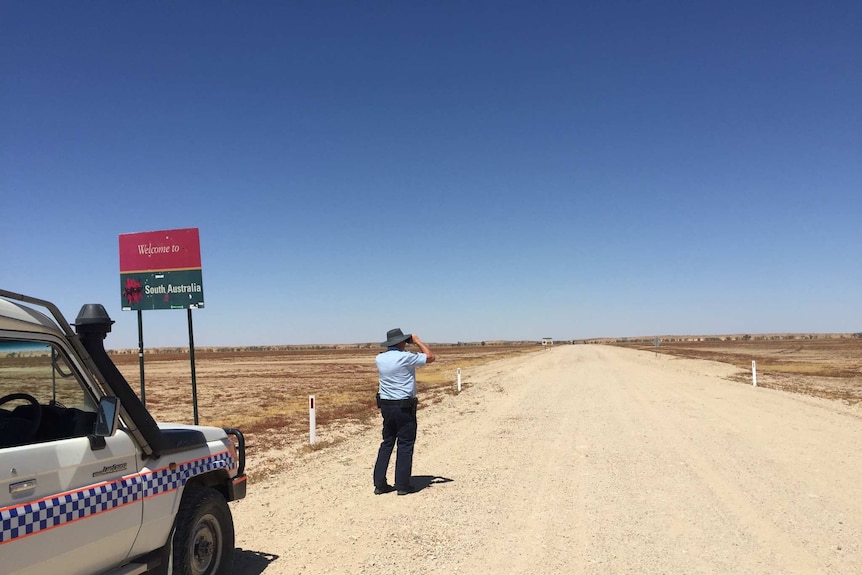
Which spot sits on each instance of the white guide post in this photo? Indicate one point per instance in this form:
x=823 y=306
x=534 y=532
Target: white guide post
x=459 y=380
x=754 y=373
x=312 y=421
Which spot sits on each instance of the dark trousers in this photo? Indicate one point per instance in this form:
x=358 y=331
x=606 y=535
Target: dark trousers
x=399 y=424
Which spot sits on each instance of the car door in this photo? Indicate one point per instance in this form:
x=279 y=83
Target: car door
x=68 y=504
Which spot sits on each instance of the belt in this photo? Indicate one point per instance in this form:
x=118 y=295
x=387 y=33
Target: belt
x=407 y=402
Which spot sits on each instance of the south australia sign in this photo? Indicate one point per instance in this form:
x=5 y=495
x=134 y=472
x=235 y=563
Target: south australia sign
x=161 y=270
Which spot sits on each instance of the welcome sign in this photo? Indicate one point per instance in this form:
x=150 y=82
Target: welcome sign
x=161 y=270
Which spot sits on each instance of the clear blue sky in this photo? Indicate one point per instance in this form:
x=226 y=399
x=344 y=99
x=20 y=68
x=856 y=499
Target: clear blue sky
x=466 y=170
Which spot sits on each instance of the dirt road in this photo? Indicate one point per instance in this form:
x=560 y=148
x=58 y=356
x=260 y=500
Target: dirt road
x=581 y=459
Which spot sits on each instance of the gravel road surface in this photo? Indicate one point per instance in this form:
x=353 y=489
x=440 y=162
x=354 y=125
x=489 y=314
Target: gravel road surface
x=579 y=459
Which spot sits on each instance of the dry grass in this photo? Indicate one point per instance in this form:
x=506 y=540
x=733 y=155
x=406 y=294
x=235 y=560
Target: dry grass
x=821 y=367
x=266 y=393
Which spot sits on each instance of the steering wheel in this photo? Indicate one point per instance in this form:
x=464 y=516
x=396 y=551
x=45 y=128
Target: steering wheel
x=34 y=419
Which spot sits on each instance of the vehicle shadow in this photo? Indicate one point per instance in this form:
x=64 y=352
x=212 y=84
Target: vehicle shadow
x=247 y=562
x=421 y=482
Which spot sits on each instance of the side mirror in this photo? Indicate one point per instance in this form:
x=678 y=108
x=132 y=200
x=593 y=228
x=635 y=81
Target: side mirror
x=107 y=417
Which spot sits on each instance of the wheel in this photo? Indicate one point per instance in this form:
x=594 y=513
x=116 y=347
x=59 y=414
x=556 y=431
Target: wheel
x=203 y=541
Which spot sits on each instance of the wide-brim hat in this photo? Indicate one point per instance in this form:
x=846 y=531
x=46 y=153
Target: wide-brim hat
x=395 y=336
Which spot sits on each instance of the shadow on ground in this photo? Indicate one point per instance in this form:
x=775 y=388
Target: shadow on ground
x=421 y=482
x=247 y=562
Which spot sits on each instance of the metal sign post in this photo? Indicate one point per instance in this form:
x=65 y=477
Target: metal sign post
x=192 y=360
x=141 y=355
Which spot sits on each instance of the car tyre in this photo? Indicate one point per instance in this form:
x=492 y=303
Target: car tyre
x=203 y=542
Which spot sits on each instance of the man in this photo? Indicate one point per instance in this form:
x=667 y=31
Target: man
x=397 y=402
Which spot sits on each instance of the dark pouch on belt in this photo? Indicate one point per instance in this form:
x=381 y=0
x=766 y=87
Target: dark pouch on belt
x=377 y=397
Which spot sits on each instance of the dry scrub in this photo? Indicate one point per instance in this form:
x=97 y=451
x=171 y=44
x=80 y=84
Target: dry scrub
x=265 y=392
x=822 y=367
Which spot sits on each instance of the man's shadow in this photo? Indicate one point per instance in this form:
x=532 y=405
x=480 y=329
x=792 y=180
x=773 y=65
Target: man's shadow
x=421 y=482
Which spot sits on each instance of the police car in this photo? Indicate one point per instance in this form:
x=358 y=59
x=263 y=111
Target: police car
x=90 y=483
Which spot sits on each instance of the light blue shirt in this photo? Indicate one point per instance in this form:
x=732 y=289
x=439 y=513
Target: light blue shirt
x=398 y=373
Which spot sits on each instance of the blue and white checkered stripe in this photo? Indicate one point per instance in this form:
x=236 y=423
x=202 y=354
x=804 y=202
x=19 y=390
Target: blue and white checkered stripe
x=166 y=479
x=33 y=517
x=37 y=516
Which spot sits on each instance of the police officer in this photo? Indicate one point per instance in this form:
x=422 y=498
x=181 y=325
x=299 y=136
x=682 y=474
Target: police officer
x=397 y=401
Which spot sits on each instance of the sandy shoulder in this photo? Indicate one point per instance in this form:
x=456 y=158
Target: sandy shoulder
x=582 y=459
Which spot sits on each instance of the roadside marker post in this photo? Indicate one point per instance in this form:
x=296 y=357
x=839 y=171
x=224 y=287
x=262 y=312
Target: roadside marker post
x=312 y=421
x=459 y=380
x=754 y=373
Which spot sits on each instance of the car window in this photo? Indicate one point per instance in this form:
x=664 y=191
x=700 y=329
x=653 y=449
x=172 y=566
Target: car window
x=41 y=397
